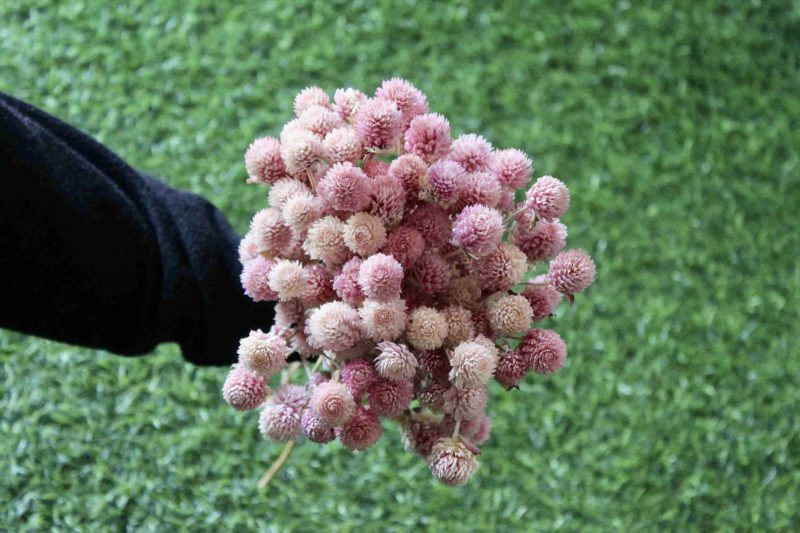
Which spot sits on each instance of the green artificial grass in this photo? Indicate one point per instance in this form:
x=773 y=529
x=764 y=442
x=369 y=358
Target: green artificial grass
x=677 y=129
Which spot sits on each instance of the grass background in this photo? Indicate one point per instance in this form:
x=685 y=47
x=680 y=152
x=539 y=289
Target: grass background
x=677 y=128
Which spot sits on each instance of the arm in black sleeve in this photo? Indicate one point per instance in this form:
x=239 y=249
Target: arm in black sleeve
x=94 y=253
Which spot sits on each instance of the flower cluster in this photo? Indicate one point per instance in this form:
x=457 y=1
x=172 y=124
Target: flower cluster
x=404 y=274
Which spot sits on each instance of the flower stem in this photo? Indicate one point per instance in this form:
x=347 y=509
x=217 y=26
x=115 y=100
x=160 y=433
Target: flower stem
x=458 y=427
x=276 y=466
x=513 y=215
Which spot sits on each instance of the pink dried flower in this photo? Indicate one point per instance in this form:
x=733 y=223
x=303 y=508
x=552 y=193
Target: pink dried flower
x=375 y=168
x=244 y=389
x=288 y=279
x=378 y=123
x=283 y=189
x=333 y=403
x=364 y=234
x=427 y=329
x=380 y=277
x=248 y=249
x=345 y=283
x=290 y=395
x=543 y=300
x=409 y=100
x=389 y=397
x=289 y=313
x=541 y=241
x=433 y=223
x=452 y=462
x=472 y=365
x=334 y=326
x=300 y=149
x=419 y=434
x=571 y=271
x=478 y=229
x=315 y=429
x=325 y=241
x=459 y=324
x=432 y=272
x=320 y=120
x=405 y=244
x=299 y=343
x=502 y=268
x=436 y=362
x=481 y=320
x=478 y=188
x=319 y=287
x=432 y=395
x=507 y=200
x=481 y=429
x=387 y=200
x=544 y=350
x=344 y=188
x=346 y=101
x=269 y=232
x=342 y=144
x=472 y=152
x=279 y=422
x=464 y=291
x=512 y=167
x=383 y=321
x=511 y=369
x=362 y=431
x=300 y=210
x=408 y=169
x=467 y=404
x=445 y=179
x=428 y=136
x=310 y=96
x=395 y=362
x=548 y=197
x=262 y=353
x=358 y=374
x=263 y=161
x=509 y=315
x=255 y=280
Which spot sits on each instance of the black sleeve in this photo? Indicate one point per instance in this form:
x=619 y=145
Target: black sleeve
x=93 y=252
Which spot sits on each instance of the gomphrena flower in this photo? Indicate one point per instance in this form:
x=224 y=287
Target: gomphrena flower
x=362 y=431
x=509 y=315
x=345 y=283
x=459 y=324
x=409 y=169
x=472 y=152
x=432 y=222
x=288 y=279
x=288 y=313
x=420 y=433
x=244 y=389
x=478 y=187
x=319 y=286
x=364 y=234
x=472 y=365
x=263 y=353
x=378 y=122
x=436 y=363
x=428 y=136
x=432 y=272
x=300 y=149
x=502 y=268
x=333 y=403
x=310 y=96
x=544 y=350
x=300 y=211
x=548 y=197
x=380 y=277
x=375 y=168
x=571 y=271
x=320 y=120
x=315 y=429
x=478 y=229
x=279 y=422
x=346 y=101
x=427 y=329
x=291 y=395
x=395 y=362
x=539 y=240
x=432 y=394
x=269 y=232
x=344 y=188
x=464 y=291
x=389 y=397
x=283 y=189
x=405 y=244
x=409 y=100
x=444 y=181
x=325 y=241
x=342 y=144
x=248 y=249
x=263 y=161
x=358 y=375
x=511 y=369
x=383 y=321
x=334 y=326
x=466 y=404
x=452 y=462
x=543 y=299
x=512 y=167
x=255 y=280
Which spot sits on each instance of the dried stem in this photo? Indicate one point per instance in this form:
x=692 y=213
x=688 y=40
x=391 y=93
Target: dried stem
x=458 y=426
x=276 y=466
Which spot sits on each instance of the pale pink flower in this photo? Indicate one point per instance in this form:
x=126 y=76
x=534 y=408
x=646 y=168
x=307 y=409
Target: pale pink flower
x=427 y=329
x=279 y=422
x=315 y=429
x=255 y=280
x=452 y=462
x=364 y=234
x=544 y=350
x=269 y=232
x=325 y=241
x=310 y=96
x=378 y=122
x=244 y=389
x=345 y=283
x=300 y=210
x=502 y=268
x=408 y=169
x=467 y=404
x=288 y=279
x=387 y=200
x=300 y=149
x=511 y=369
x=333 y=403
x=540 y=241
x=464 y=291
x=548 y=197
x=459 y=324
x=380 y=277
x=358 y=374
x=444 y=180
x=428 y=136
x=472 y=152
x=291 y=395
x=481 y=429
x=334 y=326
x=432 y=222
x=507 y=200
x=263 y=353
x=362 y=431
x=409 y=100
x=248 y=249
x=512 y=167
x=375 y=168
x=509 y=315
x=472 y=365
x=478 y=187
x=263 y=161
x=344 y=188
x=320 y=120
x=478 y=229
x=383 y=321
x=283 y=189
x=405 y=244
x=342 y=144
x=571 y=271
x=289 y=313
x=395 y=362
x=543 y=300
x=432 y=272
x=389 y=397
x=319 y=287
x=346 y=101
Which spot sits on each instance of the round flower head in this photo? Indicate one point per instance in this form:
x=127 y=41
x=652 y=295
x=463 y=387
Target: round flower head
x=334 y=326
x=478 y=229
x=383 y=321
x=244 y=389
x=387 y=200
x=293 y=396
x=263 y=161
x=571 y=271
x=362 y=431
x=248 y=249
x=507 y=201
x=472 y=365
x=511 y=369
x=433 y=223
x=437 y=363
x=509 y=315
x=375 y=168
x=481 y=429
x=320 y=120
x=512 y=167
x=544 y=350
x=283 y=189
x=395 y=362
x=389 y=397
x=378 y=122
x=345 y=283
x=405 y=244
x=432 y=272
x=489 y=343
x=540 y=241
x=333 y=403
x=288 y=313
x=342 y=144
x=419 y=434
x=255 y=280
x=427 y=329
x=346 y=100
x=262 y=353
x=479 y=188
x=502 y=268
x=452 y=462
x=319 y=287
x=279 y=422
x=459 y=324
x=344 y=188
x=548 y=197
x=468 y=404
x=269 y=231
x=432 y=395
x=358 y=374
x=288 y=279
x=310 y=96
x=380 y=277
x=409 y=100
x=543 y=300
x=472 y=152
x=480 y=318
x=325 y=241
x=299 y=343
x=315 y=429
x=364 y=234
x=464 y=291
x=444 y=180
x=299 y=150
x=300 y=211
x=428 y=136
x=408 y=169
